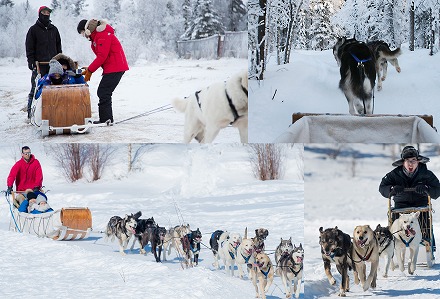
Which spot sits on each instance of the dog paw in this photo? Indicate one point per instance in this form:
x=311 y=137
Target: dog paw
x=342 y=295
x=332 y=281
x=398 y=69
x=383 y=78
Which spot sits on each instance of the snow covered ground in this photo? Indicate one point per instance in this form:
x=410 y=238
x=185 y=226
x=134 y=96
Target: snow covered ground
x=212 y=186
x=146 y=86
x=336 y=197
x=309 y=84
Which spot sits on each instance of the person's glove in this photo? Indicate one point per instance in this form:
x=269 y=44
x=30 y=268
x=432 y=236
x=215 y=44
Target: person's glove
x=397 y=190
x=36 y=189
x=87 y=74
x=9 y=190
x=31 y=66
x=421 y=189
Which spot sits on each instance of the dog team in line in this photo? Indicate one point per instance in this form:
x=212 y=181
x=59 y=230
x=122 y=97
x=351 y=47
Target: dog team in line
x=230 y=247
x=367 y=246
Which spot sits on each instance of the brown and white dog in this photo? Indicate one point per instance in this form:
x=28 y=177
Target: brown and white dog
x=262 y=274
x=260 y=236
x=213 y=108
x=365 y=249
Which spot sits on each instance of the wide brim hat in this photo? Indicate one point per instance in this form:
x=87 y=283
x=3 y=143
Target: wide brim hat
x=410 y=152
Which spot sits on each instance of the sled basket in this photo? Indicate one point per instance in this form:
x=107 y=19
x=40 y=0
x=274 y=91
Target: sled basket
x=63 y=109
x=77 y=223
x=372 y=128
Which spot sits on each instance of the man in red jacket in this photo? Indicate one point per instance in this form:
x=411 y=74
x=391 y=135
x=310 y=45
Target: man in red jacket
x=26 y=173
x=110 y=56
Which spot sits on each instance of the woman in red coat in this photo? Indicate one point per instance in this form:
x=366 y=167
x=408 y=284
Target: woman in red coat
x=110 y=56
x=26 y=173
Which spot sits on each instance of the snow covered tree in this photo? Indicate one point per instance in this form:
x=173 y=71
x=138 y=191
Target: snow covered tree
x=108 y=9
x=321 y=30
x=6 y=3
x=206 y=21
x=237 y=14
x=187 y=13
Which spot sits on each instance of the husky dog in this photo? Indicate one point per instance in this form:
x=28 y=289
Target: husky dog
x=407 y=233
x=262 y=274
x=191 y=246
x=382 y=54
x=365 y=249
x=358 y=74
x=211 y=109
x=142 y=225
x=336 y=247
x=179 y=232
x=290 y=268
x=168 y=243
x=285 y=248
x=213 y=242
x=122 y=229
x=260 y=236
x=386 y=246
x=155 y=235
x=245 y=254
x=227 y=250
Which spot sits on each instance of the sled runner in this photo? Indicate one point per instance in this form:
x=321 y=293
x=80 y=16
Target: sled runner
x=62 y=109
x=373 y=128
x=63 y=224
x=426 y=252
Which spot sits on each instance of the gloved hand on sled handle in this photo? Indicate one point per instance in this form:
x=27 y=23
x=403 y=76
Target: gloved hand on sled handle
x=396 y=190
x=87 y=74
x=31 y=66
x=421 y=189
x=9 y=190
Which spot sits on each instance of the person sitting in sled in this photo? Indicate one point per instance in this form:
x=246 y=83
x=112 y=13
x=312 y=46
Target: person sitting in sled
x=35 y=203
x=410 y=172
x=57 y=76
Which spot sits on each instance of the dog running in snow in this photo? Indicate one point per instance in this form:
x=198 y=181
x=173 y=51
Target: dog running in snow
x=290 y=269
x=358 y=74
x=365 y=249
x=262 y=274
x=386 y=246
x=191 y=247
x=336 y=247
x=213 y=108
x=260 y=236
x=285 y=248
x=122 y=229
x=382 y=55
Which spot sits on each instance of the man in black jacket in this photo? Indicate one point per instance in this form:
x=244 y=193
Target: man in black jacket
x=410 y=172
x=43 y=42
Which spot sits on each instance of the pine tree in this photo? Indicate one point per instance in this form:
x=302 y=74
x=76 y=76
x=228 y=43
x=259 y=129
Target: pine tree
x=206 y=21
x=187 y=14
x=237 y=12
x=321 y=30
x=6 y=3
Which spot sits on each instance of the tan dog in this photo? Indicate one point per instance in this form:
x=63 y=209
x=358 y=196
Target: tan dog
x=245 y=254
x=262 y=274
x=365 y=249
x=177 y=235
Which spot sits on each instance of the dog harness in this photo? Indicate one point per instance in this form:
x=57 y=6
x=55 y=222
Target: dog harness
x=366 y=257
x=233 y=109
x=296 y=272
x=197 y=98
x=405 y=242
x=359 y=61
x=265 y=273
x=388 y=240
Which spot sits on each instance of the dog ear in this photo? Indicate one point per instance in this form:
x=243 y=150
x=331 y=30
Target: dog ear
x=321 y=229
x=378 y=226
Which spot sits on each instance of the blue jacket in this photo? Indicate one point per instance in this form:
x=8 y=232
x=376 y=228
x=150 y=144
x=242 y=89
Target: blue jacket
x=67 y=79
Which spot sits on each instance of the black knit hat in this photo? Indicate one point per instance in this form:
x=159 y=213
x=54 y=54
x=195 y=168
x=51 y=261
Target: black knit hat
x=410 y=152
x=81 y=26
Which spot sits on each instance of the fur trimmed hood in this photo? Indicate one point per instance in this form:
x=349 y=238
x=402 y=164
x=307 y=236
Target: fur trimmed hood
x=69 y=60
x=102 y=24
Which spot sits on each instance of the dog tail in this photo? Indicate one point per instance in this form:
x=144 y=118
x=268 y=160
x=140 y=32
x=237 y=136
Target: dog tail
x=391 y=54
x=180 y=104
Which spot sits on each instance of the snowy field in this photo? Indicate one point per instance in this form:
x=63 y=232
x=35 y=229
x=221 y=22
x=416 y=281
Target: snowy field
x=212 y=187
x=309 y=84
x=334 y=197
x=145 y=87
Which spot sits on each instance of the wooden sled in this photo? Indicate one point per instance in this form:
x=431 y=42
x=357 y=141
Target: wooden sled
x=63 y=224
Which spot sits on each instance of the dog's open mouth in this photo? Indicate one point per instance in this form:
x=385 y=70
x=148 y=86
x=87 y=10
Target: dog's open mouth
x=361 y=243
x=410 y=232
x=299 y=259
x=132 y=230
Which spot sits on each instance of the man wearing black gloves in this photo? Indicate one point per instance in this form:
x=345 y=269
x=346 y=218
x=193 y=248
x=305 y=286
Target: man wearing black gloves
x=43 y=42
x=410 y=172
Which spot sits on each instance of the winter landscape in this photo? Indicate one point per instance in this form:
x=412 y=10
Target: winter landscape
x=209 y=187
x=344 y=192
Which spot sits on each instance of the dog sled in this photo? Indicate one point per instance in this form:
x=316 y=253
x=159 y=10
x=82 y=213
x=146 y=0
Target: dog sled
x=62 y=109
x=71 y=223
x=371 y=128
x=426 y=253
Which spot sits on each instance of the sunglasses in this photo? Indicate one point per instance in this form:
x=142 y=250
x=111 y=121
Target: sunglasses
x=26 y=153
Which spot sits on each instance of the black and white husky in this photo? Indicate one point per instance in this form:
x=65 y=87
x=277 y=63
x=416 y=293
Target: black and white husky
x=290 y=269
x=382 y=54
x=213 y=108
x=122 y=229
x=386 y=246
x=283 y=249
x=358 y=74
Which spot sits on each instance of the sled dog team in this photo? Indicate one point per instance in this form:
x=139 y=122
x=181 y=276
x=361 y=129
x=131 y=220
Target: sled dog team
x=230 y=247
x=360 y=63
x=367 y=246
